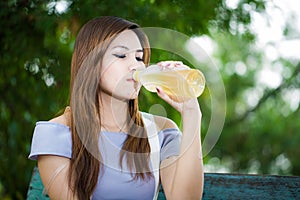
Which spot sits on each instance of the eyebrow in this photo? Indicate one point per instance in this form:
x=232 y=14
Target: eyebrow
x=121 y=46
x=124 y=47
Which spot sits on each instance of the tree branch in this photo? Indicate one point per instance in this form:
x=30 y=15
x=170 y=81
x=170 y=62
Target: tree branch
x=266 y=95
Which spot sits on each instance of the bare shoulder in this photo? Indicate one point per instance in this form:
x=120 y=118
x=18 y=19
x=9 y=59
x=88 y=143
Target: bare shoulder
x=63 y=119
x=60 y=120
x=164 y=122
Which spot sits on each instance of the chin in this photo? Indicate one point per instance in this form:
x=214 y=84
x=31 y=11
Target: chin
x=130 y=95
x=134 y=95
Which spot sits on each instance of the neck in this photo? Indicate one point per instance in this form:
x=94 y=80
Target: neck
x=114 y=114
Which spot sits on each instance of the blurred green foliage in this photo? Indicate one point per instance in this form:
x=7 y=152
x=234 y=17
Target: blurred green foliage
x=36 y=46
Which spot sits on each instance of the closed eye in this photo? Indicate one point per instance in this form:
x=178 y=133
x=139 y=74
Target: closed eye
x=139 y=59
x=120 y=55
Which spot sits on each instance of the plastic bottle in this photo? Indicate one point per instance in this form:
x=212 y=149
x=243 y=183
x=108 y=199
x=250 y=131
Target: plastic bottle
x=180 y=83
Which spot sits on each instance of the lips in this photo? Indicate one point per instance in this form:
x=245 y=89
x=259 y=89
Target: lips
x=130 y=80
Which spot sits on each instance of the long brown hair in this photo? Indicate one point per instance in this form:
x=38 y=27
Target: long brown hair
x=91 y=43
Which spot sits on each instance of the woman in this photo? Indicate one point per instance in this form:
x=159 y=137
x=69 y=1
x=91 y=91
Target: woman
x=101 y=147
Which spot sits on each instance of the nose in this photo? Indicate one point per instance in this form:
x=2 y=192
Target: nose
x=132 y=67
x=135 y=65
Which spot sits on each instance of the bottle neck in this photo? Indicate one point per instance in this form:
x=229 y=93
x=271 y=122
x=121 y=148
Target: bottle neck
x=135 y=75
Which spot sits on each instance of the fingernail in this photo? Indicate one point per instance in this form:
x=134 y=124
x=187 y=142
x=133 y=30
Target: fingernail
x=158 y=90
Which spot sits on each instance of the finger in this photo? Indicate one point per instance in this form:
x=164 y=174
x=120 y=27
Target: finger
x=167 y=99
x=161 y=93
x=171 y=64
x=178 y=63
x=163 y=64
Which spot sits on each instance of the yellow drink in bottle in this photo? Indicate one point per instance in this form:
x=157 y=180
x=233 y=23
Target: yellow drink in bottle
x=180 y=83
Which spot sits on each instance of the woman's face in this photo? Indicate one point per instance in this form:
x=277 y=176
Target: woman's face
x=122 y=58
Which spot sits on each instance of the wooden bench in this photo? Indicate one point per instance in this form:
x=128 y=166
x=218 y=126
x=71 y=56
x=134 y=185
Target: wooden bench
x=218 y=186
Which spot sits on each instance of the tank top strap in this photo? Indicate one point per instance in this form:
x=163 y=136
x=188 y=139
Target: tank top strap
x=155 y=148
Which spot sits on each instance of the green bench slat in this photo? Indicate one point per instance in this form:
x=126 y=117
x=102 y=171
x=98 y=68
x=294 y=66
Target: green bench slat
x=218 y=186
x=242 y=186
x=36 y=187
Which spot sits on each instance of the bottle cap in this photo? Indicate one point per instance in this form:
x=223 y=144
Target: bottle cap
x=135 y=75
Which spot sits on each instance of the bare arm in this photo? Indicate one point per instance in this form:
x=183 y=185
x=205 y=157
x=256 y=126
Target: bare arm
x=54 y=175
x=182 y=177
x=54 y=170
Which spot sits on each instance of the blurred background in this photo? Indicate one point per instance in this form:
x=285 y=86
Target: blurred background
x=255 y=45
